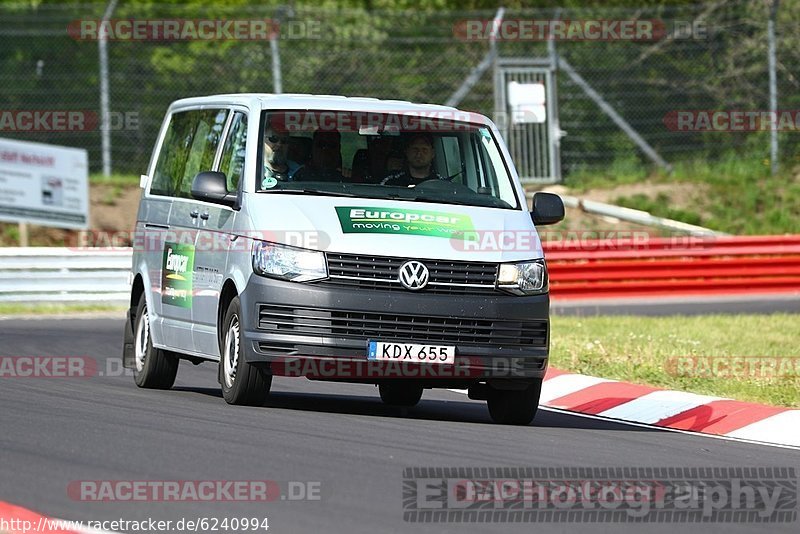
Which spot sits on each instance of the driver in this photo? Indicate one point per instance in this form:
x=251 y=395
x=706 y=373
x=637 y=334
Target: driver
x=326 y=158
x=419 y=163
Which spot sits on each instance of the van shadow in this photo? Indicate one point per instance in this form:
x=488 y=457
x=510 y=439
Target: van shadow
x=458 y=411
x=210 y=392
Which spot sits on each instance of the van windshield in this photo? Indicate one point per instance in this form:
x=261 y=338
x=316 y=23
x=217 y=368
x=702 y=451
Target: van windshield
x=383 y=155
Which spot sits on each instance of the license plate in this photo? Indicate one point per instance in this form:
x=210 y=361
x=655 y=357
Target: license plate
x=410 y=352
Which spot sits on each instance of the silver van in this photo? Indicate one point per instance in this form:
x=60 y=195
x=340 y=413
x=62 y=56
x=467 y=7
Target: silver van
x=346 y=239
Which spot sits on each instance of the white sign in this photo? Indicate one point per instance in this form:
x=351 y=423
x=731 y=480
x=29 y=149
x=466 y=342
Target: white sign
x=44 y=184
x=527 y=102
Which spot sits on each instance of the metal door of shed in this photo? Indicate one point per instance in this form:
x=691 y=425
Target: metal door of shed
x=534 y=147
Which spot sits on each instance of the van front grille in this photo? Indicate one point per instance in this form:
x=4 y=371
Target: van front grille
x=446 y=330
x=381 y=272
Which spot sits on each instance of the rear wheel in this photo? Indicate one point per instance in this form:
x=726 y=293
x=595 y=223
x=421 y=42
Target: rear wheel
x=400 y=394
x=242 y=383
x=515 y=406
x=153 y=368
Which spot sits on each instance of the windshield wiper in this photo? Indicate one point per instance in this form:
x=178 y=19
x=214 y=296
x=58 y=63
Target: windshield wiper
x=310 y=191
x=478 y=202
x=440 y=200
x=481 y=201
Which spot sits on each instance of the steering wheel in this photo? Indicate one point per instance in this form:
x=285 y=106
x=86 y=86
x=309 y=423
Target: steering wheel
x=450 y=178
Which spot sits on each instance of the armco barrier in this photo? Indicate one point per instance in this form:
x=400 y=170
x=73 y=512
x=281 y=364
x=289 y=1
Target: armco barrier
x=674 y=266
x=45 y=274
x=579 y=269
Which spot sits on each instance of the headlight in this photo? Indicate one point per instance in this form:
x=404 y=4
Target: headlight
x=288 y=263
x=526 y=278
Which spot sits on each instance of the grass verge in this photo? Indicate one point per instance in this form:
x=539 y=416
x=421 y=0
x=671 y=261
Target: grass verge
x=118 y=180
x=681 y=353
x=57 y=308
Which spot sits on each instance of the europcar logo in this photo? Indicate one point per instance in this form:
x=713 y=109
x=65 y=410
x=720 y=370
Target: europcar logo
x=176 y=263
x=177 y=274
x=356 y=219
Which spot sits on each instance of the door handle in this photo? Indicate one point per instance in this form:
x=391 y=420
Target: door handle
x=194 y=214
x=204 y=216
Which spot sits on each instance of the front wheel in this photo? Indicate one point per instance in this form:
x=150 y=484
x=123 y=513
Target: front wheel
x=516 y=406
x=153 y=368
x=242 y=383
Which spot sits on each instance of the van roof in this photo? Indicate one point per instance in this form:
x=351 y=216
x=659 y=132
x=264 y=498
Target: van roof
x=325 y=102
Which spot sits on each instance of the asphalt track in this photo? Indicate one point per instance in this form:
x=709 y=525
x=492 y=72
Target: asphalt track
x=54 y=431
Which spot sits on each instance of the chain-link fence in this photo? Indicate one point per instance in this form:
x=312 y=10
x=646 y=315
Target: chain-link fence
x=711 y=56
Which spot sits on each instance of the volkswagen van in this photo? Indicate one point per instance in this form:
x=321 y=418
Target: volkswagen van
x=344 y=239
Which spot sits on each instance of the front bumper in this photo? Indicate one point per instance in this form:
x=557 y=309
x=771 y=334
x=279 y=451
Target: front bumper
x=501 y=336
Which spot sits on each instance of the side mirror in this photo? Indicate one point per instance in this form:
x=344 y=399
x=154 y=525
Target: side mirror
x=548 y=208
x=210 y=186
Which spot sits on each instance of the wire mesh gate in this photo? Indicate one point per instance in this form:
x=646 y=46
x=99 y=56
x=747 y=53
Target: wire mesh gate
x=530 y=129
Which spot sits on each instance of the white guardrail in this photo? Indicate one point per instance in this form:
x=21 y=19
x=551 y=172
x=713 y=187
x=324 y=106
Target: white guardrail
x=48 y=274
x=631 y=215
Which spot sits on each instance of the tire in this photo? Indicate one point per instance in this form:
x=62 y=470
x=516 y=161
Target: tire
x=400 y=394
x=515 y=407
x=243 y=384
x=153 y=368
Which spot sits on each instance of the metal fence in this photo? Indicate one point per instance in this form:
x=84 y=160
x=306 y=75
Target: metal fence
x=44 y=274
x=720 y=62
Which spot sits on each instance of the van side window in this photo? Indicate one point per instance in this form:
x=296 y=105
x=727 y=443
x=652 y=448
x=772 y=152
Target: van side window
x=189 y=147
x=233 y=152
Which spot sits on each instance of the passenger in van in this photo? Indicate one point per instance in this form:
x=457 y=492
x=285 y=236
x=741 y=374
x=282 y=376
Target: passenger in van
x=378 y=151
x=419 y=163
x=326 y=159
x=300 y=150
x=372 y=164
x=277 y=164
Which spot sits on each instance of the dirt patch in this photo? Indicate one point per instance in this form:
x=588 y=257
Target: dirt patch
x=582 y=225
x=688 y=196
x=114 y=208
x=681 y=194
